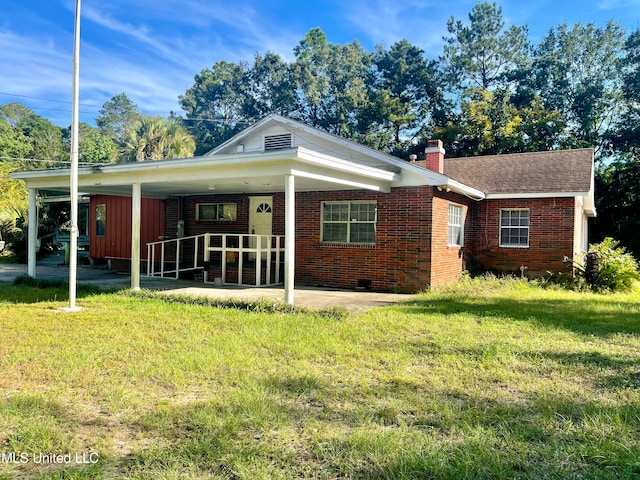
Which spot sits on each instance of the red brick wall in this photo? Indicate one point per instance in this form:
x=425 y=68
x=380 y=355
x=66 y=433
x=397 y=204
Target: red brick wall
x=241 y=225
x=400 y=258
x=551 y=234
x=448 y=262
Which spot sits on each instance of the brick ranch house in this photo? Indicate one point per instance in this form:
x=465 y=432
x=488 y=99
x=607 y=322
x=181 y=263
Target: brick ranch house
x=283 y=201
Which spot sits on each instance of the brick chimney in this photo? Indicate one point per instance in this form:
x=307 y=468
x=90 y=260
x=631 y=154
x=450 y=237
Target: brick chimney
x=435 y=156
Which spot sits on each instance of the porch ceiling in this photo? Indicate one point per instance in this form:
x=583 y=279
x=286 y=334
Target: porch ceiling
x=241 y=173
x=212 y=186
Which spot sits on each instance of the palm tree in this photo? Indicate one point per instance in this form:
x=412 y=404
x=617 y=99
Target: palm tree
x=181 y=143
x=156 y=139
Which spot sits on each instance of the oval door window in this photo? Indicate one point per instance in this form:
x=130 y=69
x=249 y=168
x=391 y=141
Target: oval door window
x=263 y=208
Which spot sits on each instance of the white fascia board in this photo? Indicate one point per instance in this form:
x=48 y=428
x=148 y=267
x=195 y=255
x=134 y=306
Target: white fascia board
x=585 y=198
x=333 y=163
x=342 y=180
x=239 y=136
x=502 y=196
x=163 y=170
x=436 y=179
x=589 y=205
x=463 y=189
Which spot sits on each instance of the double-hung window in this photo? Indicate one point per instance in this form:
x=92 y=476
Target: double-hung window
x=349 y=222
x=514 y=228
x=455 y=226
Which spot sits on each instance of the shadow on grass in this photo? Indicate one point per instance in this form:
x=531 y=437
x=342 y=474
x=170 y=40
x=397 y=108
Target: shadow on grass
x=291 y=427
x=25 y=289
x=592 y=315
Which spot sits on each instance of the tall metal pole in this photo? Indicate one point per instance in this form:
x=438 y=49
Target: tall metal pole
x=73 y=258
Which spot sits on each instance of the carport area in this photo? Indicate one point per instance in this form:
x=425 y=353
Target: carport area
x=310 y=297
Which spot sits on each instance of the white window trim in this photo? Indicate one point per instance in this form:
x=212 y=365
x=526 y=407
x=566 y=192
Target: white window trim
x=104 y=220
x=510 y=245
x=348 y=222
x=198 y=205
x=461 y=225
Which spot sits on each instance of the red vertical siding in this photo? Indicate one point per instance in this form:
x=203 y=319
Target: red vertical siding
x=116 y=242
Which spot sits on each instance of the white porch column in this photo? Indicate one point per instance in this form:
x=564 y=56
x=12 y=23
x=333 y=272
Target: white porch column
x=136 y=200
x=33 y=233
x=290 y=238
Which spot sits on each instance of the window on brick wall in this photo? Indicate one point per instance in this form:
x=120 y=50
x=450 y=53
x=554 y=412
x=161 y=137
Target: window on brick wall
x=349 y=222
x=455 y=226
x=514 y=228
x=216 y=211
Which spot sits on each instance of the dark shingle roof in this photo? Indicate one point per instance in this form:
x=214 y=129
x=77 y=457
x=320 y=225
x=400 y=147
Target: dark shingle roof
x=558 y=171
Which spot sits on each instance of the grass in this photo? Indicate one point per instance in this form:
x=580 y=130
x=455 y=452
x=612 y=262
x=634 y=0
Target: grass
x=487 y=379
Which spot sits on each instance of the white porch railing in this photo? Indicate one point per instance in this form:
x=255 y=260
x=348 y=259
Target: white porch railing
x=221 y=252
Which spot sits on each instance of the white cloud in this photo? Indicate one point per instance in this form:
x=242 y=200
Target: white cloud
x=422 y=23
x=33 y=64
x=615 y=4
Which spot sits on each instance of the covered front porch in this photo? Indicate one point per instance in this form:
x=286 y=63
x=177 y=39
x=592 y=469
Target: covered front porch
x=256 y=175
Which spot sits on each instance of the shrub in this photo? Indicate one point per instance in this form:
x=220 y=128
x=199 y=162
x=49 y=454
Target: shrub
x=617 y=269
x=15 y=234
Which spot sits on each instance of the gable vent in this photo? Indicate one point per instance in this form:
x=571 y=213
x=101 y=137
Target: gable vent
x=276 y=142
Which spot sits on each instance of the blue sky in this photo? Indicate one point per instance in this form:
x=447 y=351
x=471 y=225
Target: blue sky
x=151 y=49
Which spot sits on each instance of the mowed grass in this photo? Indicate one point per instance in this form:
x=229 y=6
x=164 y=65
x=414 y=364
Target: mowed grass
x=487 y=379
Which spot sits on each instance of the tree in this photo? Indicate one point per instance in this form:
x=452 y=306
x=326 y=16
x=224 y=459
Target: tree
x=406 y=97
x=330 y=81
x=488 y=124
x=618 y=183
x=14 y=198
x=576 y=72
x=13 y=143
x=33 y=136
x=626 y=134
x=153 y=138
x=117 y=117
x=618 y=202
x=94 y=147
x=270 y=87
x=216 y=104
x=482 y=53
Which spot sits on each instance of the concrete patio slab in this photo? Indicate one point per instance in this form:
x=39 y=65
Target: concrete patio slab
x=310 y=297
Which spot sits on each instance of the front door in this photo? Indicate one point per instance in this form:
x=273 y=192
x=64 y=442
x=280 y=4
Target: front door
x=260 y=220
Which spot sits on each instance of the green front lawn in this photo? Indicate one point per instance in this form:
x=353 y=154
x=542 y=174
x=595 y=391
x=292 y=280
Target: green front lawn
x=490 y=379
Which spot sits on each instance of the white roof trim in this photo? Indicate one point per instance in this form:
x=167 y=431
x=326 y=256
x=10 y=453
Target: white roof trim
x=499 y=196
x=181 y=163
x=299 y=161
x=324 y=160
x=341 y=181
x=464 y=189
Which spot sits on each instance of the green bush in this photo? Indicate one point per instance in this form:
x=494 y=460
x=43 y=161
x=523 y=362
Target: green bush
x=15 y=234
x=617 y=271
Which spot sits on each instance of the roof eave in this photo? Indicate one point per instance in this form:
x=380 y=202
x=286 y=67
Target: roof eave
x=463 y=189
x=525 y=195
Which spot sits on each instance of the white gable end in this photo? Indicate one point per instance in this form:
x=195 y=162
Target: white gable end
x=275 y=128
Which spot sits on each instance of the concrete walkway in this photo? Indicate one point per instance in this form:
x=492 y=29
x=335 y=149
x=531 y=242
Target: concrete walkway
x=310 y=297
